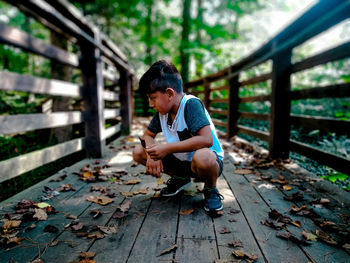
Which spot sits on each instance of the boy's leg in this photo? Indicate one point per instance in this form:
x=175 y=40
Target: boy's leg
x=139 y=155
x=205 y=164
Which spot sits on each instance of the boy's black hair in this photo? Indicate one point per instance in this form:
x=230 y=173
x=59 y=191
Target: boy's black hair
x=160 y=76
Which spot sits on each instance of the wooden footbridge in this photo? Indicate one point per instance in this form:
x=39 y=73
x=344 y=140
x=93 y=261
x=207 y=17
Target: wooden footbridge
x=106 y=209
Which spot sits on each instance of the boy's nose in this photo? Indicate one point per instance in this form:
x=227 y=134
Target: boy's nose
x=150 y=104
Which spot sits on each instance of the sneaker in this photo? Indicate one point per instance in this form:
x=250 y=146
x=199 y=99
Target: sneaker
x=174 y=185
x=212 y=200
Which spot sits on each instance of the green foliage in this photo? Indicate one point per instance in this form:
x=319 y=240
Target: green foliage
x=334 y=176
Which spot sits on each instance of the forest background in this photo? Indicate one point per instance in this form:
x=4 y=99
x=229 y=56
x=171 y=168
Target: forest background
x=200 y=37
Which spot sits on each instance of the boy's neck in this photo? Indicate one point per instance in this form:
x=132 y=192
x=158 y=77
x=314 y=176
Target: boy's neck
x=176 y=105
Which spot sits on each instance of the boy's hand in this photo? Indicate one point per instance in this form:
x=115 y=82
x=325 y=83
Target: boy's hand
x=157 y=151
x=154 y=167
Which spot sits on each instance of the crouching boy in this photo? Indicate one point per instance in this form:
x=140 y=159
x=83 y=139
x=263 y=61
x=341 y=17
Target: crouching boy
x=192 y=148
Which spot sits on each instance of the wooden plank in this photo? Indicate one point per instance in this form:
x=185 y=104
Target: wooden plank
x=321 y=123
x=111 y=131
x=219 y=100
x=111 y=113
x=13 y=36
x=253 y=132
x=218 y=111
x=233 y=105
x=331 y=91
x=224 y=87
x=92 y=92
x=254 y=116
x=126 y=101
x=220 y=123
x=239 y=228
x=18 y=82
x=340 y=52
x=27 y=122
x=255 y=210
x=255 y=98
x=26 y=162
x=110 y=95
x=110 y=76
x=318 y=251
x=257 y=79
x=280 y=106
x=339 y=163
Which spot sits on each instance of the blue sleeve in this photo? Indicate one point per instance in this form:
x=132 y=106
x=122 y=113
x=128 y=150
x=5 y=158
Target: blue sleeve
x=195 y=116
x=154 y=125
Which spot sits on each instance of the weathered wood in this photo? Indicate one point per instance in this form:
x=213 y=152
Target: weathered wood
x=339 y=52
x=255 y=98
x=233 y=104
x=110 y=95
x=13 y=36
x=253 y=132
x=18 y=82
x=322 y=123
x=219 y=100
x=218 y=111
x=254 y=116
x=257 y=79
x=111 y=113
x=111 y=131
x=332 y=91
x=27 y=122
x=110 y=76
x=126 y=101
x=206 y=100
x=339 y=163
x=255 y=210
x=26 y=162
x=220 y=123
x=92 y=92
x=224 y=87
x=280 y=106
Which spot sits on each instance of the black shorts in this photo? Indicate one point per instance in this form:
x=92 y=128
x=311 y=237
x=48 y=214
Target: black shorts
x=174 y=166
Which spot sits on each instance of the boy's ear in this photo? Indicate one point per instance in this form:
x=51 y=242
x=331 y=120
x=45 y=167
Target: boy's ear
x=170 y=92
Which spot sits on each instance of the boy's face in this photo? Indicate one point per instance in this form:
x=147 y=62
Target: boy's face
x=160 y=101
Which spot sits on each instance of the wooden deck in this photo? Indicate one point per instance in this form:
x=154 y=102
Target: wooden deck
x=153 y=224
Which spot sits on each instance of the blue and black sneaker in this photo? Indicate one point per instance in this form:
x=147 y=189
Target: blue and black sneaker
x=174 y=185
x=212 y=201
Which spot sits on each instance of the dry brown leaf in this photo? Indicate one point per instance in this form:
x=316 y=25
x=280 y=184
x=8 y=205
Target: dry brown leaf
x=14 y=241
x=243 y=255
x=234 y=211
x=309 y=236
x=296 y=223
x=11 y=224
x=101 y=200
x=236 y=243
x=109 y=230
x=325 y=237
x=96 y=235
x=134 y=181
x=78 y=226
x=186 y=212
x=40 y=214
x=127 y=194
x=278 y=181
x=168 y=250
x=224 y=230
x=287 y=188
x=87 y=254
x=69 y=216
x=86 y=260
x=243 y=171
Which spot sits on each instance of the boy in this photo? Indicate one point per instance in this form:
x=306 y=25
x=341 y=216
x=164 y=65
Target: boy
x=192 y=148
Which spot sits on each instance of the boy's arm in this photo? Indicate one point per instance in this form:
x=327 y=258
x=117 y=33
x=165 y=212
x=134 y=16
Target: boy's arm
x=203 y=139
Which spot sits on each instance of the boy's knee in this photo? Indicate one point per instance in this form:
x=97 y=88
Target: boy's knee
x=204 y=159
x=138 y=153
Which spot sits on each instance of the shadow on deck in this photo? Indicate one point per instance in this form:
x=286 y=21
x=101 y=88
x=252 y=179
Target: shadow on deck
x=139 y=231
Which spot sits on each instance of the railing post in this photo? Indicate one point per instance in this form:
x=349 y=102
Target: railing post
x=126 y=100
x=280 y=106
x=233 y=104
x=206 y=100
x=92 y=92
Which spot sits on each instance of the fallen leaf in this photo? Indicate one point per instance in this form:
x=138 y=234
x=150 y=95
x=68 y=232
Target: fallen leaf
x=232 y=220
x=127 y=194
x=51 y=229
x=224 y=230
x=296 y=223
x=309 y=236
x=78 y=226
x=273 y=224
x=101 y=200
x=287 y=188
x=11 y=224
x=236 y=243
x=109 y=230
x=243 y=255
x=243 y=171
x=14 y=241
x=66 y=188
x=86 y=260
x=42 y=205
x=168 y=250
x=298 y=196
x=186 y=212
x=96 y=213
x=69 y=216
x=40 y=214
x=234 y=211
x=326 y=237
x=122 y=210
x=159 y=181
x=292 y=237
x=87 y=254
x=134 y=181
x=59 y=179
x=96 y=235
x=54 y=243
x=278 y=181
x=38 y=260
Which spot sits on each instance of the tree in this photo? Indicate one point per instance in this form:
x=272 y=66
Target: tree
x=185 y=43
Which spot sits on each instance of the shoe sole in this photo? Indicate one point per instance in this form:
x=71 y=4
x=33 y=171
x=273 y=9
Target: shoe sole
x=178 y=190
x=213 y=210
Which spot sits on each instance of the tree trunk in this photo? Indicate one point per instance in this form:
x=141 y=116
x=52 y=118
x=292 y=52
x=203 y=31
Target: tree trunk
x=199 y=57
x=184 y=46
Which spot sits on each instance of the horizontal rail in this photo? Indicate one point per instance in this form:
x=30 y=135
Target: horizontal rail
x=339 y=163
x=224 y=87
x=339 y=52
x=28 y=122
x=254 y=116
x=110 y=95
x=253 y=132
x=196 y=92
x=110 y=76
x=332 y=91
x=218 y=111
x=18 y=165
x=15 y=37
x=322 y=123
x=219 y=123
x=111 y=131
x=219 y=100
x=111 y=113
x=255 y=98
x=256 y=80
x=18 y=82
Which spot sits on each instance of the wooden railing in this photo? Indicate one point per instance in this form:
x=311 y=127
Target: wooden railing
x=278 y=50
x=100 y=61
